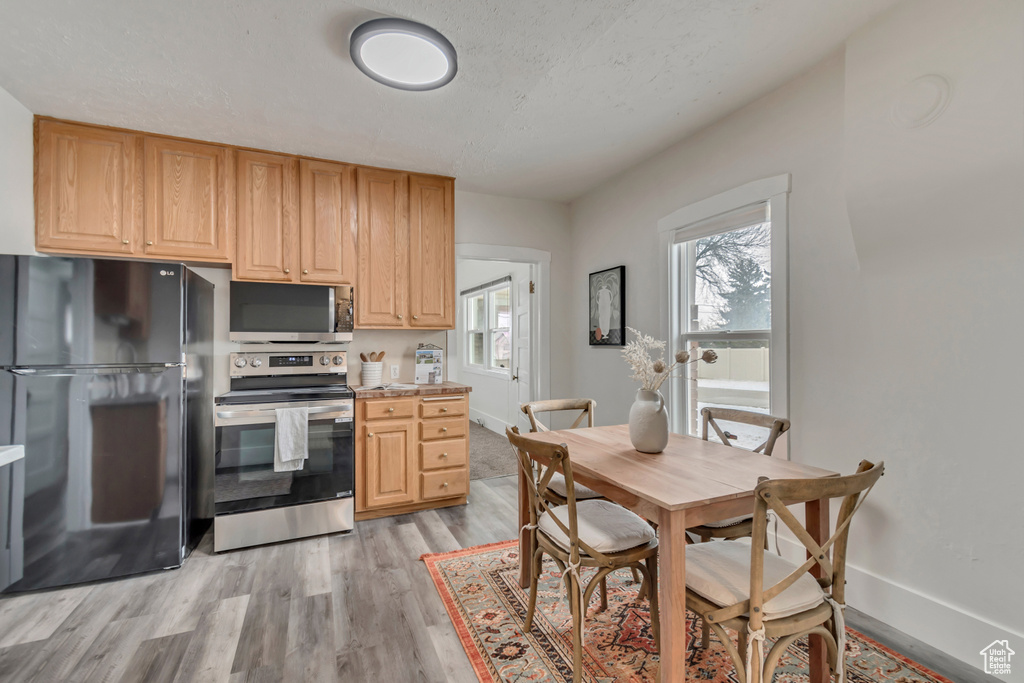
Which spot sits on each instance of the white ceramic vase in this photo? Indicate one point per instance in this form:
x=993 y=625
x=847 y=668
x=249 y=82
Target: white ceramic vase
x=648 y=422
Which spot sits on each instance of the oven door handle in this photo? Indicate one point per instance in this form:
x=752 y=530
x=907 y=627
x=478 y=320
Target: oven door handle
x=270 y=416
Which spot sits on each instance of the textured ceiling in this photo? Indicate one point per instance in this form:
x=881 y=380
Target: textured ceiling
x=552 y=97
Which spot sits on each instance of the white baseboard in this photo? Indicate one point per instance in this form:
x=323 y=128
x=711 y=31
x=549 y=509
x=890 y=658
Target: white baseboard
x=495 y=424
x=943 y=626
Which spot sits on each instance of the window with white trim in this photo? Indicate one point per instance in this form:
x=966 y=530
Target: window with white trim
x=723 y=285
x=488 y=315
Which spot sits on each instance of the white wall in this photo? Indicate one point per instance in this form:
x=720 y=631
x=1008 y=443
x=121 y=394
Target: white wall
x=914 y=360
x=534 y=224
x=17 y=219
x=489 y=401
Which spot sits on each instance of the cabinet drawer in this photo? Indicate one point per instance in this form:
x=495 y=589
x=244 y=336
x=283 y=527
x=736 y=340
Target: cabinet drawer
x=398 y=408
x=443 y=406
x=443 y=428
x=440 y=454
x=444 y=483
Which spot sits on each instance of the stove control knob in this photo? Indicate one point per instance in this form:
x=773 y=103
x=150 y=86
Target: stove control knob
x=339 y=360
x=240 y=363
x=325 y=360
x=255 y=362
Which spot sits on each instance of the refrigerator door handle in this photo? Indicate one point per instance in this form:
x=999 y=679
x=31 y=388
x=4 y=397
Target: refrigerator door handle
x=71 y=370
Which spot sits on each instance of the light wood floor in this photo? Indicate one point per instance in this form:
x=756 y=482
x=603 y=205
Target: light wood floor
x=355 y=607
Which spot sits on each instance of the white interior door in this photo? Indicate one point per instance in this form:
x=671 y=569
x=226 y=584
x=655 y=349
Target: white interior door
x=519 y=387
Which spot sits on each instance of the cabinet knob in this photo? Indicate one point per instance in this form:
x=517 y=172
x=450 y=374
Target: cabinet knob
x=399 y=316
x=444 y=455
x=444 y=429
x=444 y=410
x=124 y=241
x=445 y=485
x=391 y=410
x=149 y=244
x=370 y=435
x=415 y=317
x=287 y=270
x=305 y=272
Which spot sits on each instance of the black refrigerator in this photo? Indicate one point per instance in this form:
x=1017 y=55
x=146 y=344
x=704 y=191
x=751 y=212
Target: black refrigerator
x=106 y=379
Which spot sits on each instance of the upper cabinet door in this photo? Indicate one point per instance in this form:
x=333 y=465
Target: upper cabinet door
x=432 y=252
x=381 y=298
x=268 y=217
x=88 y=189
x=190 y=192
x=328 y=233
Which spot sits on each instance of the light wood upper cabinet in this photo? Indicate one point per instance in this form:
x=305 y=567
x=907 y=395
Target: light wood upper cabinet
x=391 y=467
x=268 y=217
x=274 y=217
x=383 y=282
x=328 y=230
x=432 y=252
x=88 y=189
x=190 y=196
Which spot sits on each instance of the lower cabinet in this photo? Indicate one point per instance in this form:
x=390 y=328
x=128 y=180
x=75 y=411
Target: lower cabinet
x=391 y=473
x=411 y=453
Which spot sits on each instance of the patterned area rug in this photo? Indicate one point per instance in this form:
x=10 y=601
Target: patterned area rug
x=480 y=589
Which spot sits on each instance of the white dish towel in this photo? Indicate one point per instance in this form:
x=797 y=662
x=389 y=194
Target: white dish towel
x=291 y=443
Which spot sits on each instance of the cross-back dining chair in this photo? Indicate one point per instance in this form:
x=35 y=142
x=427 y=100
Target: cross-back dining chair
x=585 y=406
x=741 y=586
x=587 y=533
x=557 y=488
x=737 y=527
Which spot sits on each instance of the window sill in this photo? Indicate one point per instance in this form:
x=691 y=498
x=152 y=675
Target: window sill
x=494 y=374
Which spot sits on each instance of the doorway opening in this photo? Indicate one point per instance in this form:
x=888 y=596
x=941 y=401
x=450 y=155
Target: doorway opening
x=500 y=342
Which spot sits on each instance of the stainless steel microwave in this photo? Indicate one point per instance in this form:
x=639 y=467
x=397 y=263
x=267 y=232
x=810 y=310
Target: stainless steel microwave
x=267 y=312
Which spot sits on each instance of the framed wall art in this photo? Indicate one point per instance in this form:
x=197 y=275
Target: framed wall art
x=608 y=307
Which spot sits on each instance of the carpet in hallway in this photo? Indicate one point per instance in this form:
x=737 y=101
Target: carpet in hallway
x=490 y=455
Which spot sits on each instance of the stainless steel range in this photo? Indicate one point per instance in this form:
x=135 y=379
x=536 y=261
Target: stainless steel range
x=256 y=504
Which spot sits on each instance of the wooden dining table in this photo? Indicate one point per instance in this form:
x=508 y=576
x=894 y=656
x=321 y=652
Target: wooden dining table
x=690 y=483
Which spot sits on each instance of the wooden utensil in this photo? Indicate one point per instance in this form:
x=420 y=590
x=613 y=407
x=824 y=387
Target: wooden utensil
x=380 y=356
x=363 y=358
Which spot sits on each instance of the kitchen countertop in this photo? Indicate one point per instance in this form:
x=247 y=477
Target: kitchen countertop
x=418 y=390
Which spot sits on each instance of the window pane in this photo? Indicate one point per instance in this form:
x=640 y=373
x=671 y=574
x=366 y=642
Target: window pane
x=731 y=280
x=475 y=348
x=501 y=349
x=738 y=379
x=475 y=312
x=501 y=311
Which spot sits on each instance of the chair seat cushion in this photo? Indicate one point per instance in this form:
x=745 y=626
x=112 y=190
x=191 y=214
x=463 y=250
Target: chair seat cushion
x=603 y=525
x=719 y=572
x=557 y=484
x=721 y=524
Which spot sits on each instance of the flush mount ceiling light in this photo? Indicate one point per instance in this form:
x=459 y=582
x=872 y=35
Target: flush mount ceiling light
x=403 y=54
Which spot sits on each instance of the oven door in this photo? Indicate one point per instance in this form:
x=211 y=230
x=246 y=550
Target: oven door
x=245 y=476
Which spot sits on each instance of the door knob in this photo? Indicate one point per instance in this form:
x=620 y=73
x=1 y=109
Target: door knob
x=124 y=241
x=287 y=270
x=370 y=435
x=515 y=378
x=149 y=244
x=415 y=317
x=305 y=272
x=399 y=316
